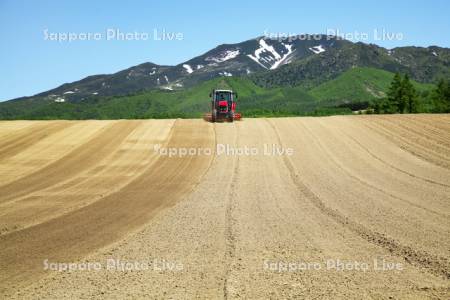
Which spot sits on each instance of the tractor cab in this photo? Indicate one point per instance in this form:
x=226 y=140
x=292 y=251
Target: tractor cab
x=223 y=105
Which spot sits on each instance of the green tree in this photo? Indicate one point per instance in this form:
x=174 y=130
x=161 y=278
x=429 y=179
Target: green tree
x=401 y=97
x=408 y=100
x=394 y=95
x=441 y=96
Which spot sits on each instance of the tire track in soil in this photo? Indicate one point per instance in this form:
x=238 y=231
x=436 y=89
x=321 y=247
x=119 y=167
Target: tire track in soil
x=71 y=164
x=415 y=149
x=392 y=166
x=31 y=135
x=73 y=236
x=372 y=186
x=230 y=221
x=443 y=126
x=369 y=185
x=13 y=135
x=412 y=127
x=436 y=265
x=85 y=188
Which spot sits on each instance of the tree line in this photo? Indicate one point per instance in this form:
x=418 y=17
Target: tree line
x=402 y=97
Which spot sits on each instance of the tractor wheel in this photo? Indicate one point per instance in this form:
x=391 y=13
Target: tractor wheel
x=230 y=118
x=213 y=116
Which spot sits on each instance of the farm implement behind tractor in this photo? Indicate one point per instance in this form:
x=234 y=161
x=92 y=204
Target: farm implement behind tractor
x=223 y=106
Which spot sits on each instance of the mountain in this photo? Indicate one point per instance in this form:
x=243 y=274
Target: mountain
x=310 y=65
x=425 y=65
x=352 y=90
x=225 y=60
x=359 y=85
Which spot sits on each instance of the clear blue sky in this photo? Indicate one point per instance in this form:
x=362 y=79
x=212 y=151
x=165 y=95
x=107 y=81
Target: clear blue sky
x=30 y=64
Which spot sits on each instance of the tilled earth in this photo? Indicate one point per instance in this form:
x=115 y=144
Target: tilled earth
x=335 y=207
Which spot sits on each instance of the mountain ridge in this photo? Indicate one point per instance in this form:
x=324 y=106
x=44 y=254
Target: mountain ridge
x=306 y=62
x=355 y=89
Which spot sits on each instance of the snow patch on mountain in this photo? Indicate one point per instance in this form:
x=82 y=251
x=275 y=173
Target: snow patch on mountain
x=225 y=73
x=273 y=60
x=199 y=67
x=317 y=49
x=224 y=56
x=283 y=59
x=69 y=92
x=271 y=49
x=263 y=47
x=256 y=60
x=188 y=68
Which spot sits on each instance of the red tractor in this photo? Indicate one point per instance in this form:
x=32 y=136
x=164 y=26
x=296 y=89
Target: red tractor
x=223 y=106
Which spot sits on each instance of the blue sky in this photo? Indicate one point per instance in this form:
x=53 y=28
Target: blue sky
x=29 y=64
